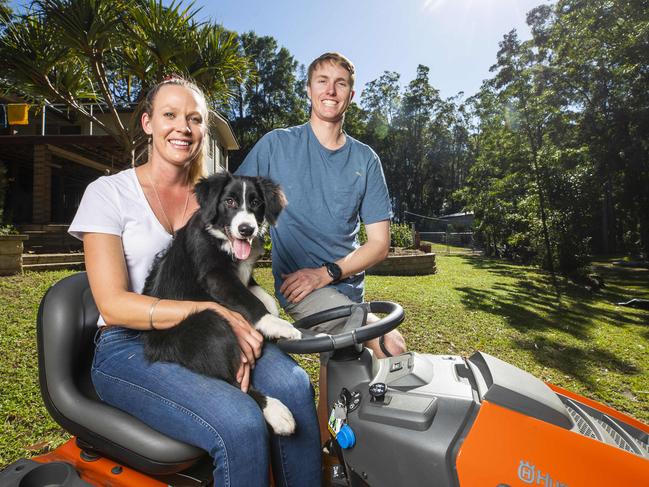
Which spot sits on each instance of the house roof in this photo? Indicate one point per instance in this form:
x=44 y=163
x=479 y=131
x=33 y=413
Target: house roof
x=219 y=124
x=457 y=215
x=226 y=135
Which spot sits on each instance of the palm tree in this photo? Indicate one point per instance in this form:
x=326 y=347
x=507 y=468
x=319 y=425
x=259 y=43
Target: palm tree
x=108 y=53
x=5 y=11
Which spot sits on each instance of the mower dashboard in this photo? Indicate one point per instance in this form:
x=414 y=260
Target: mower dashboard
x=413 y=384
x=422 y=411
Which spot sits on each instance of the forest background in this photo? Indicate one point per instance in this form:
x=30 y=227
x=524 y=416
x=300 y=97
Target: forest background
x=551 y=154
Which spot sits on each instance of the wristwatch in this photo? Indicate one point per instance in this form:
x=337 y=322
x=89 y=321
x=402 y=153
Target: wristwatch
x=334 y=271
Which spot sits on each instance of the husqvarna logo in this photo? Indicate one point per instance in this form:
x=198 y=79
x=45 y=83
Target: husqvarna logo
x=529 y=474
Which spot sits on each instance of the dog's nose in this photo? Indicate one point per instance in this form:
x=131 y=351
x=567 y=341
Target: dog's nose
x=245 y=230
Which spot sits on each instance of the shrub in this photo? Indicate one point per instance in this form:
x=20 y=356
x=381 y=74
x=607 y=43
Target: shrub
x=362 y=234
x=400 y=235
x=268 y=246
x=8 y=230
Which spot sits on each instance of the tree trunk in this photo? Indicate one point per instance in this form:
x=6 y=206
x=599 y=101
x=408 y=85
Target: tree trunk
x=608 y=218
x=643 y=227
x=544 y=223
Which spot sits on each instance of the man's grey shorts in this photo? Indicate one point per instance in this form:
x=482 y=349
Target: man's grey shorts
x=319 y=300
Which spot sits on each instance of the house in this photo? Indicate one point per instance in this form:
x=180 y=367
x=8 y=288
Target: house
x=52 y=156
x=461 y=221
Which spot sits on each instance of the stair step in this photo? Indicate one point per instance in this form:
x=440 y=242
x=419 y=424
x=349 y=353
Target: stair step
x=55 y=266
x=29 y=259
x=55 y=227
x=50 y=238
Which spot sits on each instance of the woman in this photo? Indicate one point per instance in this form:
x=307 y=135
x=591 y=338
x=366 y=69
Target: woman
x=126 y=219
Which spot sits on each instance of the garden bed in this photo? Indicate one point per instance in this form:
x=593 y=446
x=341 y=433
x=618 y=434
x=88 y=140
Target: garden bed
x=405 y=262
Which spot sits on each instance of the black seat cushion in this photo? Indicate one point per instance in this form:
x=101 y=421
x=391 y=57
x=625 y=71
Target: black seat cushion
x=67 y=323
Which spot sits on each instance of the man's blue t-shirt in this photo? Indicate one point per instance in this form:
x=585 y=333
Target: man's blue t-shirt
x=329 y=192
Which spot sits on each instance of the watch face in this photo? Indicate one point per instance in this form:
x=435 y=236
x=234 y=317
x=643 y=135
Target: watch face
x=334 y=271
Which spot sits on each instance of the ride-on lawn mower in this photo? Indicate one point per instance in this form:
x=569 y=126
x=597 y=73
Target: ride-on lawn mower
x=410 y=420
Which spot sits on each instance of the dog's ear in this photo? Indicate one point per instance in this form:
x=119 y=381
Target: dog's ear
x=274 y=199
x=208 y=190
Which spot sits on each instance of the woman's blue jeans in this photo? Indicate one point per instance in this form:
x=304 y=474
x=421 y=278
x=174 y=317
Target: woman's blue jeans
x=214 y=415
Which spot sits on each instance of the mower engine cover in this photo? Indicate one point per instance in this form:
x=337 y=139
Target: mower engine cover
x=447 y=421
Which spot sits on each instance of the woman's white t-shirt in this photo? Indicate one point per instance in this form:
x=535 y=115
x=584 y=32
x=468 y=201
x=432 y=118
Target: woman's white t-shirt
x=116 y=205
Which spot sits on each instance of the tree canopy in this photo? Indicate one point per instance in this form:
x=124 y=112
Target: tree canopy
x=562 y=165
x=109 y=53
x=272 y=96
x=551 y=154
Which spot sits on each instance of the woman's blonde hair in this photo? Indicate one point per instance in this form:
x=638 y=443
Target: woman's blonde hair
x=198 y=166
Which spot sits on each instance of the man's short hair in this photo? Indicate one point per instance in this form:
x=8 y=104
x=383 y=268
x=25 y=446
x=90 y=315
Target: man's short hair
x=332 y=57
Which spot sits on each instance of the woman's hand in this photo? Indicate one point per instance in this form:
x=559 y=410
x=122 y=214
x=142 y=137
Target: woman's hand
x=243 y=374
x=250 y=340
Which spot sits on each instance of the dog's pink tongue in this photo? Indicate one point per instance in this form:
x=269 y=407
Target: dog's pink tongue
x=241 y=249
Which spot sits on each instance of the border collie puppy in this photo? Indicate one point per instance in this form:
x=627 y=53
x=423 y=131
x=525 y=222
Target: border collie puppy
x=211 y=259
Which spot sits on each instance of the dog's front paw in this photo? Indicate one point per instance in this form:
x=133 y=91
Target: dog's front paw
x=273 y=327
x=278 y=417
x=292 y=334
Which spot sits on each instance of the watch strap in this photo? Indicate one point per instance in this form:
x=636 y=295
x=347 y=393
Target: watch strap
x=334 y=271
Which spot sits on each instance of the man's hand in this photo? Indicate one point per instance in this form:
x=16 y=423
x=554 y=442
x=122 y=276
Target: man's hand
x=300 y=284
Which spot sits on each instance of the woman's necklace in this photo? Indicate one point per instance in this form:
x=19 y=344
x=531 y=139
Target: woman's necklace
x=164 y=213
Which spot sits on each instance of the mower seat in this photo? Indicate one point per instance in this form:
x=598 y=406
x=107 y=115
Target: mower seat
x=67 y=323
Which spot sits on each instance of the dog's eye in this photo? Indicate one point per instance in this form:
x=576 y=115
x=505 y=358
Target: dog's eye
x=231 y=203
x=255 y=203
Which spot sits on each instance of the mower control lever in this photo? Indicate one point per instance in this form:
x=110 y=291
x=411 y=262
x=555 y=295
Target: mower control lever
x=378 y=386
x=377 y=391
x=388 y=370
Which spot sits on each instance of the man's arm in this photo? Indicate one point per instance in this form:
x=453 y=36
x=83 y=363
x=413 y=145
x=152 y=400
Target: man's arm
x=299 y=284
x=369 y=254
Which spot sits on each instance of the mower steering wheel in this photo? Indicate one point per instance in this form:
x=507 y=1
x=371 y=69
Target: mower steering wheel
x=360 y=333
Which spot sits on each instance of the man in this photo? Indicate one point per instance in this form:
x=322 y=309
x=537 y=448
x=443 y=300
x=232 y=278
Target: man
x=332 y=182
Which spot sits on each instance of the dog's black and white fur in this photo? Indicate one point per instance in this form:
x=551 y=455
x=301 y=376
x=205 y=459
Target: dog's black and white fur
x=211 y=259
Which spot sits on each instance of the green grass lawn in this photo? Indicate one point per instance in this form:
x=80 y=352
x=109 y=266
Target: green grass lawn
x=576 y=339
x=440 y=248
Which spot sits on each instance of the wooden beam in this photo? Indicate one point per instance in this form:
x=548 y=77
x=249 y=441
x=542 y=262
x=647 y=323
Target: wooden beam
x=88 y=140
x=84 y=161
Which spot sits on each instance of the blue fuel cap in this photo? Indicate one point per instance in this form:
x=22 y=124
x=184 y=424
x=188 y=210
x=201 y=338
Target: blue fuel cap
x=346 y=437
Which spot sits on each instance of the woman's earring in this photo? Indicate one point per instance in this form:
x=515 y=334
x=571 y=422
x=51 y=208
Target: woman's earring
x=149 y=140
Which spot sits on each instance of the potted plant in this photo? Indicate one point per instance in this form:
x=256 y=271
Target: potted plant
x=11 y=250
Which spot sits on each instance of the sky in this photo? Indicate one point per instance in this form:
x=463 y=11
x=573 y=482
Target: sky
x=456 y=39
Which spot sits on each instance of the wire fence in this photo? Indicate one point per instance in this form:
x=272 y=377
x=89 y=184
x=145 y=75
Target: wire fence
x=450 y=242
x=450 y=234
